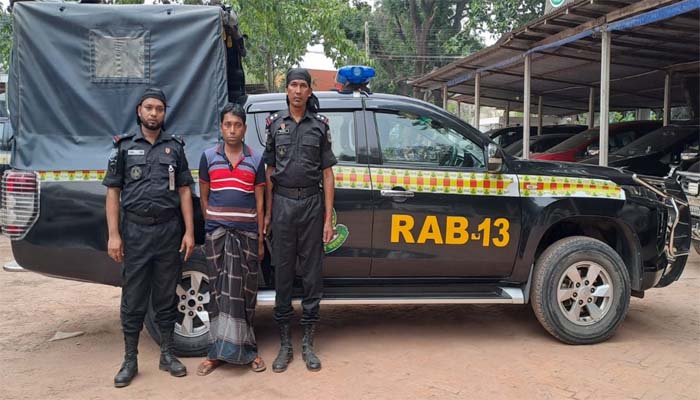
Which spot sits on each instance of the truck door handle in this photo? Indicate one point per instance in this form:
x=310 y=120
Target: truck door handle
x=397 y=193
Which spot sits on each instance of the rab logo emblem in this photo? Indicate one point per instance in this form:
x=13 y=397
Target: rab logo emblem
x=339 y=237
x=167 y=150
x=136 y=172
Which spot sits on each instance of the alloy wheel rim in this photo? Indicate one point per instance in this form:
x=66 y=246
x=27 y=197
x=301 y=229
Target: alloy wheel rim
x=585 y=293
x=193 y=301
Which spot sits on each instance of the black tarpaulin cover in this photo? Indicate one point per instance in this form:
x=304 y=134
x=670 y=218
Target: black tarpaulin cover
x=78 y=71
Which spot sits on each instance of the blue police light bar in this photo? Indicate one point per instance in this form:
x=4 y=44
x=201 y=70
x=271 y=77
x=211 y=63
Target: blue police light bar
x=355 y=74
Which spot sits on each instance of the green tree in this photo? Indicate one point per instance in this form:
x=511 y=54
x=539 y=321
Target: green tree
x=5 y=40
x=279 y=32
x=409 y=38
x=501 y=16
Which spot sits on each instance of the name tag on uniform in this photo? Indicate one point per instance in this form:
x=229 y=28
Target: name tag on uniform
x=171 y=177
x=136 y=152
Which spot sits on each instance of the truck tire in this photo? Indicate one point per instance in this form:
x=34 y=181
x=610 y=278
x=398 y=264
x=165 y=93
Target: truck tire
x=580 y=290
x=191 y=337
x=696 y=246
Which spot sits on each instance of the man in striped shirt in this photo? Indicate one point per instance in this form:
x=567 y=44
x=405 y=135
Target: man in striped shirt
x=231 y=182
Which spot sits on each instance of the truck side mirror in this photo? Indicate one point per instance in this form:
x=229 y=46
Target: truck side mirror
x=495 y=158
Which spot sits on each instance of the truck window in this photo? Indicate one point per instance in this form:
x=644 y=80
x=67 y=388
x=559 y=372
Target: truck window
x=342 y=127
x=343 y=133
x=409 y=139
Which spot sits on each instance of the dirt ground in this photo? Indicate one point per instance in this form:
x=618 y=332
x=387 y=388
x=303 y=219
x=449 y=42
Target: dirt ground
x=368 y=352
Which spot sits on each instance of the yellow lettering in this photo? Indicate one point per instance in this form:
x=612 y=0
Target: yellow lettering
x=430 y=231
x=503 y=225
x=485 y=227
x=401 y=225
x=456 y=230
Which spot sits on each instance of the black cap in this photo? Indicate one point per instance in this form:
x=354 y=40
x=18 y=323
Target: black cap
x=298 y=73
x=150 y=93
x=153 y=93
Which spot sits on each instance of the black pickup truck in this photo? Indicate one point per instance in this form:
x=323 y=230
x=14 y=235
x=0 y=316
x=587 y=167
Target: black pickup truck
x=428 y=209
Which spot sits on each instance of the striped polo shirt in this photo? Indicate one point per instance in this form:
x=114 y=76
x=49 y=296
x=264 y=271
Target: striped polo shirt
x=231 y=188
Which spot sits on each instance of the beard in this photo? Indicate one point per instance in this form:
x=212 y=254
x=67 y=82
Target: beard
x=154 y=125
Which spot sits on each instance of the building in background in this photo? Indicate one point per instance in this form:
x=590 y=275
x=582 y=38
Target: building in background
x=320 y=67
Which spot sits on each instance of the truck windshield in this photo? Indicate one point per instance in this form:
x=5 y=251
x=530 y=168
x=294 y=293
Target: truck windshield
x=576 y=141
x=658 y=140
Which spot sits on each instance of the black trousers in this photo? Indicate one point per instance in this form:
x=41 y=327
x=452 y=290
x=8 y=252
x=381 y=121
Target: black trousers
x=152 y=269
x=297 y=236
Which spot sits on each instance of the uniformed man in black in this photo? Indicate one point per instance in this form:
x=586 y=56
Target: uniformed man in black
x=299 y=159
x=149 y=170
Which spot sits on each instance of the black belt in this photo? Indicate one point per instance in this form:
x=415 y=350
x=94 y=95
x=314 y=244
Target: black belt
x=162 y=218
x=296 y=193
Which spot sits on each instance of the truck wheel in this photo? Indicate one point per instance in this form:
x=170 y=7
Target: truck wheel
x=580 y=290
x=696 y=246
x=191 y=337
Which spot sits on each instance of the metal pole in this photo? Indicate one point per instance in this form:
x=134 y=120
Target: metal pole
x=444 y=96
x=604 y=97
x=508 y=113
x=591 y=108
x=539 y=116
x=667 y=99
x=526 y=108
x=477 y=100
x=459 y=109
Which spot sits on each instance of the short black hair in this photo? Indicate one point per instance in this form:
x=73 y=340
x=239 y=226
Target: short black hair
x=235 y=109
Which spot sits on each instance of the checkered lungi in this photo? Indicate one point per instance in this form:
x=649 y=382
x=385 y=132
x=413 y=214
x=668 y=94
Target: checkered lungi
x=232 y=260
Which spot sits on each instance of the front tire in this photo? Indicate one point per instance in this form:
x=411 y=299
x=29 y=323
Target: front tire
x=580 y=290
x=191 y=336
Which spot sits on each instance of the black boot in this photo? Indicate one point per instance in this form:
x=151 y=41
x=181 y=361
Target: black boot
x=130 y=366
x=168 y=361
x=307 y=349
x=284 y=357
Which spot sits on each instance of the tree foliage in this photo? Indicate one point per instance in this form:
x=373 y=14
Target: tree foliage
x=280 y=31
x=409 y=38
x=5 y=40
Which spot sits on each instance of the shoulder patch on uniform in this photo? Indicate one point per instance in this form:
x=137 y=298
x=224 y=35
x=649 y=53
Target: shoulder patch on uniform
x=118 y=138
x=322 y=118
x=270 y=119
x=179 y=139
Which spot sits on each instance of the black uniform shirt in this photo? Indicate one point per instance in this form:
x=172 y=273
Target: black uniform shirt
x=143 y=172
x=298 y=151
